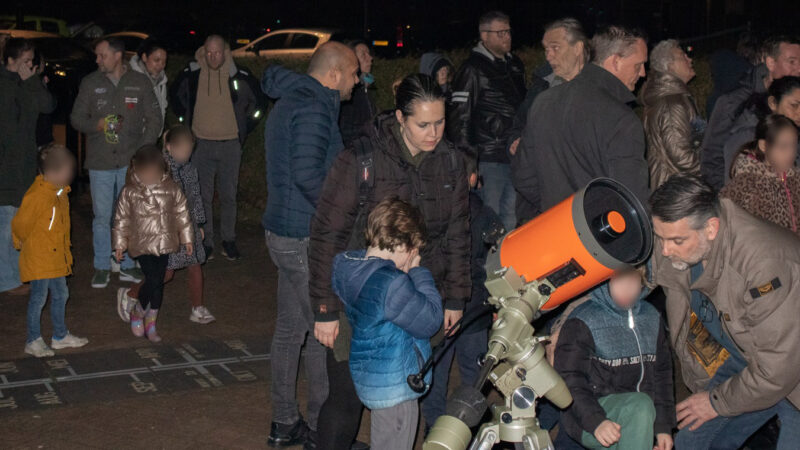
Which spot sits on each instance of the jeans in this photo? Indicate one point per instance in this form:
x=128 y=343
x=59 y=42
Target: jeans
x=220 y=161
x=723 y=433
x=635 y=413
x=294 y=328
x=57 y=287
x=394 y=428
x=340 y=415
x=9 y=256
x=154 y=268
x=105 y=186
x=467 y=348
x=498 y=193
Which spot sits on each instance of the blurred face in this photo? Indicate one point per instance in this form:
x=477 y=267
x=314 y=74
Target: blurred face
x=787 y=63
x=150 y=175
x=156 y=62
x=783 y=152
x=215 y=53
x=423 y=130
x=61 y=177
x=443 y=76
x=181 y=150
x=625 y=288
x=566 y=59
x=629 y=68
x=24 y=60
x=346 y=78
x=683 y=245
x=789 y=106
x=496 y=37
x=364 y=58
x=108 y=61
x=681 y=65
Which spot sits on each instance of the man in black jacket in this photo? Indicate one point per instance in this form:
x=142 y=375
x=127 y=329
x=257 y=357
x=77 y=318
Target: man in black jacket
x=222 y=103
x=586 y=128
x=487 y=91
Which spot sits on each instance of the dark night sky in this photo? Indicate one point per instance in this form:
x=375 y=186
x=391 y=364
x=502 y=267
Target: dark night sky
x=434 y=23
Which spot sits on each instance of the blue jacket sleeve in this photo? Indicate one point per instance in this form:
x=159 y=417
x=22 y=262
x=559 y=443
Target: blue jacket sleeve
x=310 y=131
x=413 y=303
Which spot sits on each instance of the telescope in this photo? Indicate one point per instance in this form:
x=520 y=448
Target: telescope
x=565 y=251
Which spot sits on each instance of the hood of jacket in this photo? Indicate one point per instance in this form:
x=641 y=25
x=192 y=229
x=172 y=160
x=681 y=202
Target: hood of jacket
x=602 y=296
x=754 y=79
x=279 y=82
x=482 y=50
x=351 y=270
x=661 y=84
x=605 y=80
x=138 y=65
x=431 y=62
x=200 y=60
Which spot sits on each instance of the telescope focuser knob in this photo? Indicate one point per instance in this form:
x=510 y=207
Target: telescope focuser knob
x=521 y=373
x=506 y=418
x=544 y=289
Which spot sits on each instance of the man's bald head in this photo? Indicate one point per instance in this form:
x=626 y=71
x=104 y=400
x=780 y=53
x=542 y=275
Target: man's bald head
x=335 y=66
x=214 y=49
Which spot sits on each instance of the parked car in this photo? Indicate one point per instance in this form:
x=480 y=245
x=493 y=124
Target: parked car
x=35 y=23
x=288 y=43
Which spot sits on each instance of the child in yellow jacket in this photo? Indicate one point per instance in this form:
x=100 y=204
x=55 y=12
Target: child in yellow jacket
x=41 y=232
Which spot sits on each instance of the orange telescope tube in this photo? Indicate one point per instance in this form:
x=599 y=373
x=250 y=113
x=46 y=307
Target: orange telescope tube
x=582 y=241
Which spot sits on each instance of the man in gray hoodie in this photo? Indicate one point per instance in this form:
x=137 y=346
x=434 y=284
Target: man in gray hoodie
x=118 y=112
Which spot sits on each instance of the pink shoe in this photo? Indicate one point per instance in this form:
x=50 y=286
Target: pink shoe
x=137 y=325
x=150 y=325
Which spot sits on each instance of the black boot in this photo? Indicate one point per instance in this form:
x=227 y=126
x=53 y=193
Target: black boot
x=282 y=435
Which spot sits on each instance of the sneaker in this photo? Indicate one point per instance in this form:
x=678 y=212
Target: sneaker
x=358 y=445
x=311 y=440
x=230 y=251
x=101 y=278
x=282 y=435
x=124 y=304
x=132 y=275
x=209 y=252
x=150 y=318
x=201 y=315
x=68 y=341
x=114 y=265
x=39 y=349
x=137 y=320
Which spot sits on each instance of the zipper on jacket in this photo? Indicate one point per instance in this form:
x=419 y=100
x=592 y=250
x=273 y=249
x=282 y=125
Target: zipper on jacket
x=632 y=326
x=789 y=198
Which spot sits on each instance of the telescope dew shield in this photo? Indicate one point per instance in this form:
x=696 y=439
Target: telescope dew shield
x=582 y=241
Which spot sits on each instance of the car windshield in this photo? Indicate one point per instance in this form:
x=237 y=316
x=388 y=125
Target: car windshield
x=56 y=49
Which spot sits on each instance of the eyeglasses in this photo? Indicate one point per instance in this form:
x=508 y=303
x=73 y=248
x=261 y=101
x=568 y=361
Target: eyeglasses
x=500 y=33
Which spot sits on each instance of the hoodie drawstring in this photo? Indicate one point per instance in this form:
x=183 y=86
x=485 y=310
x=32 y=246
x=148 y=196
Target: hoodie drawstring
x=632 y=326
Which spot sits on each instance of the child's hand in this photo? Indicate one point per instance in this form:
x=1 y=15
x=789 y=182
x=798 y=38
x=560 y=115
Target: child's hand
x=414 y=259
x=663 y=441
x=608 y=433
x=119 y=254
x=189 y=249
x=202 y=234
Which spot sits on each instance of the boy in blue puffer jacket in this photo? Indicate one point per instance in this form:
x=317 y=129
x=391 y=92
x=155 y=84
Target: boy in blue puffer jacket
x=393 y=307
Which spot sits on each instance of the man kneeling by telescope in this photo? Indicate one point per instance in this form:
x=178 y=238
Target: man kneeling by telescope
x=564 y=252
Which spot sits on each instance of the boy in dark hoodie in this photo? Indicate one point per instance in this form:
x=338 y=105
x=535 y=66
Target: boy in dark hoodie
x=614 y=355
x=394 y=308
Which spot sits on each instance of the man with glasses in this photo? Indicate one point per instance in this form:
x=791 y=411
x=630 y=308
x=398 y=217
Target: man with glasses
x=731 y=283
x=487 y=91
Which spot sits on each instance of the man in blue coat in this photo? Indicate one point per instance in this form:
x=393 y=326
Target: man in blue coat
x=302 y=139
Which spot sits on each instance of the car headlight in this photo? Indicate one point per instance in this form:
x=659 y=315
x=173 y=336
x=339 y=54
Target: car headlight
x=60 y=72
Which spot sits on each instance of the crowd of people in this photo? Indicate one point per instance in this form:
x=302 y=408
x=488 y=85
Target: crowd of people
x=379 y=223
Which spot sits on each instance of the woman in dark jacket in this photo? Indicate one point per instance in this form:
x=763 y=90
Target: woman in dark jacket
x=359 y=111
x=402 y=154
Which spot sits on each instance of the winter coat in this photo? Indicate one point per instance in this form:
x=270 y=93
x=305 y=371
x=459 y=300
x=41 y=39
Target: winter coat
x=752 y=277
x=599 y=353
x=357 y=112
x=763 y=193
x=151 y=220
x=301 y=139
x=41 y=231
x=727 y=69
x=486 y=94
x=438 y=187
x=133 y=99
x=673 y=127
x=523 y=170
x=580 y=131
x=726 y=111
x=159 y=84
x=21 y=103
x=486 y=229
x=248 y=102
x=393 y=314
x=185 y=176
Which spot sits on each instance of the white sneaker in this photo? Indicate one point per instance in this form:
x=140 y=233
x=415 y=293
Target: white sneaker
x=39 y=349
x=201 y=315
x=114 y=265
x=124 y=304
x=68 y=341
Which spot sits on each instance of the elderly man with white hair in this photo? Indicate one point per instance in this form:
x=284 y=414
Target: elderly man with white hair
x=672 y=124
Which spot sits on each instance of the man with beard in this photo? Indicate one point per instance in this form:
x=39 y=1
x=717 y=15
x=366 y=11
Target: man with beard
x=732 y=283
